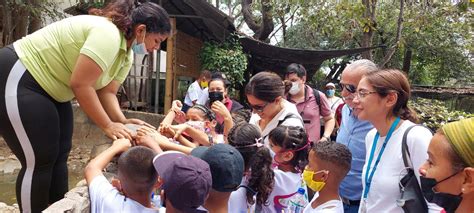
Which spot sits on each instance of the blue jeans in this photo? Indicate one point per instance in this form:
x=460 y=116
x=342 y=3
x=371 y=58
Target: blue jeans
x=351 y=208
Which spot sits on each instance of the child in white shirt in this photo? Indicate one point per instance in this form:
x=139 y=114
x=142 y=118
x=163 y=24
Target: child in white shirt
x=328 y=164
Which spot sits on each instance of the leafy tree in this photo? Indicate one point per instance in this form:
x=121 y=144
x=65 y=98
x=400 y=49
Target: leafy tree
x=21 y=17
x=432 y=45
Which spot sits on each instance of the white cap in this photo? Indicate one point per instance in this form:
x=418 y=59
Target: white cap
x=330 y=85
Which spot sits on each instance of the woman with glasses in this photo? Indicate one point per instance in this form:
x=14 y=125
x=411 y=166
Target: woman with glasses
x=448 y=173
x=381 y=98
x=265 y=93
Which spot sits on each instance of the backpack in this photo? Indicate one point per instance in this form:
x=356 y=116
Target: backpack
x=318 y=98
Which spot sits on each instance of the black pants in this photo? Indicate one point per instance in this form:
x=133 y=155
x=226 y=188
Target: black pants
x=38 y=130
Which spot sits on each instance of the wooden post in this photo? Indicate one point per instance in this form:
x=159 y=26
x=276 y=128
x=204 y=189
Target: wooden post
x=170 y=66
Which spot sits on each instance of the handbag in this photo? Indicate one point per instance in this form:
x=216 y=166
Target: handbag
x=411 y=198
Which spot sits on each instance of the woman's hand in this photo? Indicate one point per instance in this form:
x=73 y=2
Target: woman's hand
x=219 y=108
x=116 y=131
x=144 y=130
x=138 y=122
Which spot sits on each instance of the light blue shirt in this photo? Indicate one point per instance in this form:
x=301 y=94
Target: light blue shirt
x=352 y=133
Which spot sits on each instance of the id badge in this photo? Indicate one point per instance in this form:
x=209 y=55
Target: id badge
x=363 y=206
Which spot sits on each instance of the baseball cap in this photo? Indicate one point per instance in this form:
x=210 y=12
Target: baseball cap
x=186 y=179
x=331 y=85
x=226 y=163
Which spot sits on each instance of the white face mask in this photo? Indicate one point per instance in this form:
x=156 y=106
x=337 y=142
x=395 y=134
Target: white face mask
x=295 y=88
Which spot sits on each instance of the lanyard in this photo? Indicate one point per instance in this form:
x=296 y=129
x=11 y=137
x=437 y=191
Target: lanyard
x=368 y=178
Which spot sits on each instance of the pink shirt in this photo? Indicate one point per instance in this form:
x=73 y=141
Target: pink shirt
x=309 y=110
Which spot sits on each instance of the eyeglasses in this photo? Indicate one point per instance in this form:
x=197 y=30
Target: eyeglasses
x=259 y=108
x=363 y=93
x=349 y=87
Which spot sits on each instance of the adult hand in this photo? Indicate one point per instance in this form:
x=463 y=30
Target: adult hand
x=117 y=130
x=219 y=108
x=324 y=139
x=144 y=131
x=138 y=122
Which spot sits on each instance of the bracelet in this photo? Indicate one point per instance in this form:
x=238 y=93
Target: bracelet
x=327 y=138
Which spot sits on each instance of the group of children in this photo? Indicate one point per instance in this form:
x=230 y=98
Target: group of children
x=237 y=173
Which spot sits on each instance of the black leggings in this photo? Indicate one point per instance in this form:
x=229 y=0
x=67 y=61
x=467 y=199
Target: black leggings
x=38 y=130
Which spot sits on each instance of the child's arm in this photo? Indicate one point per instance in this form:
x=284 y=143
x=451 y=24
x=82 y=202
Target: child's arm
x=174 y=113
x=196 y=134
x=96 y=165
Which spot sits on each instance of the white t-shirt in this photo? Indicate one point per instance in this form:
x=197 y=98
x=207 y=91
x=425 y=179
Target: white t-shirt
x=384 y=190
x=334 y=103
x=193 y=93
x=204 y=96
x=288 y=108
x=332 y=206
x=286 y=183
x=106 y=198
x=238 y=199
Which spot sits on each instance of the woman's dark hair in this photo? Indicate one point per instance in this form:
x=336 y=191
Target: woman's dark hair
x=244 y=137
x=292 y=138
x=392 y=80
x=267 y=86
x=127 y=14
x=209 y=114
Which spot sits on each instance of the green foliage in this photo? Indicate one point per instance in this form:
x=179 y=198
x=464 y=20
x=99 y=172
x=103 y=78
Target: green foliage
x=438 y=35
x=434 y=113
x=227 y=57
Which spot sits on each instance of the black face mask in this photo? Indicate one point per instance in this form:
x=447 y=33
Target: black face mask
x=215 y=96
x=449 y=202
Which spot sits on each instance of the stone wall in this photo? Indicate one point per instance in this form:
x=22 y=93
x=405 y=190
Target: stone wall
x=87 y=136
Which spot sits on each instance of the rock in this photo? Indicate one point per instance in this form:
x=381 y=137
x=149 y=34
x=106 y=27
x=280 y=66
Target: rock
x=4 y=208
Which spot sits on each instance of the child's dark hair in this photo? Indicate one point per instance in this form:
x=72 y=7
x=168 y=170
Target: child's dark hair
x=136 y=165
x=127 y=14
x=241 y=115
x=209 y=114
x=247 y=139
x=292 y=138
x=336 y=154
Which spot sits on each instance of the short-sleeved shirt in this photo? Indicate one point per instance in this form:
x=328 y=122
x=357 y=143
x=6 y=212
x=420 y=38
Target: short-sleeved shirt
x=309 y=110
x=106 y=198
x=283 y=118
x=193 y=94
x=352 y=133
x=50 y=54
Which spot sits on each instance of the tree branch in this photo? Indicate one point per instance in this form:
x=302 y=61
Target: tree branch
x=248 y=16
x=393 y=48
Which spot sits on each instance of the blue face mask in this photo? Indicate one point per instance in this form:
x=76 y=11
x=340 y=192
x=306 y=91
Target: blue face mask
x=330 y=92
x=139 y=49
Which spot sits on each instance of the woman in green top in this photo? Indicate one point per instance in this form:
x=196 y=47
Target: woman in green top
x=84 y=57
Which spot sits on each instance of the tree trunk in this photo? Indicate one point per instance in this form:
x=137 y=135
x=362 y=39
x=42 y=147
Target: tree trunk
x=263 y=29
x=6 y=23
x=394 y=47
x=35 y=18
x=407 y=61
x=368 y=28
x=21 y=20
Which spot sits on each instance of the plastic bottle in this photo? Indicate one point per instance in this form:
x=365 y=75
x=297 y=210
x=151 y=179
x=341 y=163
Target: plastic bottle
x=155 y=199
x=298 y=201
